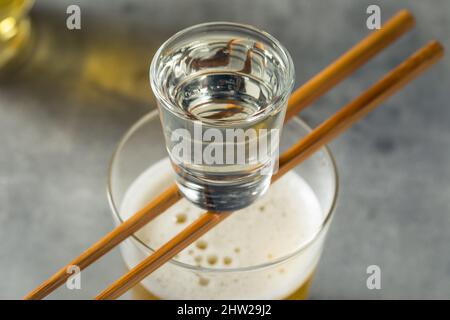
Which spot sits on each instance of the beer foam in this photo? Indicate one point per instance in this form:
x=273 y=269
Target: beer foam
x=278 y=224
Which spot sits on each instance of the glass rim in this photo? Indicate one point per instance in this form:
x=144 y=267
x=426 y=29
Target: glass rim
x=326 y=221
x=274 y=103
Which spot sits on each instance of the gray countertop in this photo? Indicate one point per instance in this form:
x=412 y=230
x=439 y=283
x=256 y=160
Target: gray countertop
x=64 y=110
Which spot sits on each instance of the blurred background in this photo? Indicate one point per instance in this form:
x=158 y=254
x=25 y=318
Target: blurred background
x=71 y=94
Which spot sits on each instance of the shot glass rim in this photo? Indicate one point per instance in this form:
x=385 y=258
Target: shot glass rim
x=326 y=221
x=274 y=103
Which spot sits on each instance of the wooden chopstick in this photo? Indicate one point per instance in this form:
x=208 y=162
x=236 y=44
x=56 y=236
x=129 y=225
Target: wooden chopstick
x=399 y=24
x=349 y=62
x=328 y=130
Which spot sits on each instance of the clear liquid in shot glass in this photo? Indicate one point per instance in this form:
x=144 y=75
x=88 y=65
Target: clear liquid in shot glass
x=222 y=96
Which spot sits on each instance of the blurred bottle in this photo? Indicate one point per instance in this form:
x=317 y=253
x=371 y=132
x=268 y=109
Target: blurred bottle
x=14 y=30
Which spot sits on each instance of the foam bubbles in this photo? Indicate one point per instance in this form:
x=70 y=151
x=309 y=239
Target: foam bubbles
x=288 y=216
x=181 y=218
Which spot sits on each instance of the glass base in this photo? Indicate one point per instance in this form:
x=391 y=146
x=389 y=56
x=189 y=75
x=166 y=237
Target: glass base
x=223 y=197
x=138 y=292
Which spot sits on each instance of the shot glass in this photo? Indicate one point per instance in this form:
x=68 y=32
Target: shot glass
x=222 y=91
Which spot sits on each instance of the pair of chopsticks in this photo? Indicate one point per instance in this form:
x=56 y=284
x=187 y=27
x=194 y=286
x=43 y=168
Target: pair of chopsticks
x=300 y=99
x=342 y=120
